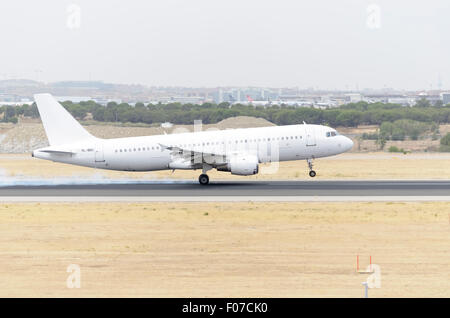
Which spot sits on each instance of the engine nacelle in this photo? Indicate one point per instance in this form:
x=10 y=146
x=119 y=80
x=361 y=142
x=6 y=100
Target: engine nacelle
x=243 y=165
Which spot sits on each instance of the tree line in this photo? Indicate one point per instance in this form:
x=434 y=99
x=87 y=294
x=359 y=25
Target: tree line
x=349 y=115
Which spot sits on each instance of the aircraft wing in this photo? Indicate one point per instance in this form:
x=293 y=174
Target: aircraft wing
x=193 y=155
x=218 y=150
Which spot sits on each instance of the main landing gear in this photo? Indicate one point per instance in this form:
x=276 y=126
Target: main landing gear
x=203 y=179
x=312 y=173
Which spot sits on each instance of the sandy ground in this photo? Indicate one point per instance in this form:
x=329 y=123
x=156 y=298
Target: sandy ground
x=346 y=166
x=224 y=250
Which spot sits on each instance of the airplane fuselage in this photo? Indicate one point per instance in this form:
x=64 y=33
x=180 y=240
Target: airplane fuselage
x=181 y=151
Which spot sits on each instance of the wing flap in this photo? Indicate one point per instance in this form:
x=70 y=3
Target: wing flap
x=218 y=156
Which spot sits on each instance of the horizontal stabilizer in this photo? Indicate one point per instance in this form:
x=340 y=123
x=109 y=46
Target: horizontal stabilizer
x=58 y=152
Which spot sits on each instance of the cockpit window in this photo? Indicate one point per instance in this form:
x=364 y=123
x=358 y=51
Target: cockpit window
x=331 y=133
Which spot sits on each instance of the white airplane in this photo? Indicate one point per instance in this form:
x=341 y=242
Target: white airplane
x=239 y=151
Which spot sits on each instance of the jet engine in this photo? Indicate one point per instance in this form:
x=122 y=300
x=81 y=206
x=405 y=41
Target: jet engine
x=243 y=165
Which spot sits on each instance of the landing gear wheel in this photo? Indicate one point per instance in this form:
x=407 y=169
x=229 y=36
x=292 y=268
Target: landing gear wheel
x=203 y=179
x=312 y=173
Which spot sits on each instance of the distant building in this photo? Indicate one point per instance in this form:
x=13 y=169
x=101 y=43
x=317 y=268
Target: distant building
x=445 y=98
x=105 y=101
x=166 y=125
x=390 y=98
x=14 y=100
x=187 y=99
x=431 y=98
x=353 y=98
x=404 y=101
x=242 y=95
x=73 y=99
x=8 y=98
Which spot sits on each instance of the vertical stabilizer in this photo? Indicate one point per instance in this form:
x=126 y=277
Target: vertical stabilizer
x=60 y=126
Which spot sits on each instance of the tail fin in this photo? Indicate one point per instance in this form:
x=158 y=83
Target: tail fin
x=59 y=125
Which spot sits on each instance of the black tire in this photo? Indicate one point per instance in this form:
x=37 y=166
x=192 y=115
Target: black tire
x=312 y=173
x=203 y=179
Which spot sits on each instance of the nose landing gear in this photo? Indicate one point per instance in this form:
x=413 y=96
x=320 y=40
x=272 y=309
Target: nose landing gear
x=312 y=173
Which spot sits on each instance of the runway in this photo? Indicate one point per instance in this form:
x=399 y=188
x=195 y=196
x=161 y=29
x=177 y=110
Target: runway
x=226 y=190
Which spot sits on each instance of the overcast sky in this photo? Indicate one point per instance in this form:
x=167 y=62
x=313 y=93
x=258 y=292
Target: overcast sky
x=279 y=43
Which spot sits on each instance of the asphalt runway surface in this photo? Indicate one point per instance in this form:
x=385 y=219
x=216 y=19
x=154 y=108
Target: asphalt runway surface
x=234 y=189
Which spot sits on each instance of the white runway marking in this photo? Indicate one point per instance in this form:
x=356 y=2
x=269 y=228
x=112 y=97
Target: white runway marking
x=138 y=199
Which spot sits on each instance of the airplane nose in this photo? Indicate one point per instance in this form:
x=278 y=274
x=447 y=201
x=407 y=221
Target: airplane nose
x=348 y=144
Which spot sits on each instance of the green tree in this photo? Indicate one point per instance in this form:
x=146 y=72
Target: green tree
x=445 y=141
x=349 y=118
x=423 y=102
x=439 y=103
x=381 y=142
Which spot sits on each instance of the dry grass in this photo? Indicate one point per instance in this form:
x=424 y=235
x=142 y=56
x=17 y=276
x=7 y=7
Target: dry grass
x=223 y=250
x=346 y=166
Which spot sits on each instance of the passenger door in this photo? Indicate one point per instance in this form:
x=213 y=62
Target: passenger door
x=310 y=136
x=99 y=154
